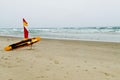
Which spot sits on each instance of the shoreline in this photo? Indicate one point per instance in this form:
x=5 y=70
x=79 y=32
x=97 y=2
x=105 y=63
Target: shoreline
x=65 y=39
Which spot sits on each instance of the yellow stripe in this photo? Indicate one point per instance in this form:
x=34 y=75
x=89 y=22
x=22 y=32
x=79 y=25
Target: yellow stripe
x=25 y=24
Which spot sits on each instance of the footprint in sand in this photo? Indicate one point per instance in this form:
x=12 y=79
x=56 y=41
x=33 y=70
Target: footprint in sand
x=62 y=67
x=86 y=70
x=42 y=77
x=56 y=62
x=107 y=74
x=78 y=66
x=85 y=61
x=65 y=76
x=47 y=69
x=94 y=68
x=67 y=73
x=50 y=59
x=6 y=58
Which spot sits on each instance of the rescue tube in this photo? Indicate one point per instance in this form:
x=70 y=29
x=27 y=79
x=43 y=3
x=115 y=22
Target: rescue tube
x=23 y=43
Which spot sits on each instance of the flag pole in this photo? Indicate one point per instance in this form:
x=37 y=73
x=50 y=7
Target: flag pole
x=26 y=33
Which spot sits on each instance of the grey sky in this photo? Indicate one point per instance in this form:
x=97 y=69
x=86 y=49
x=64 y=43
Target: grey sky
x=52 y=13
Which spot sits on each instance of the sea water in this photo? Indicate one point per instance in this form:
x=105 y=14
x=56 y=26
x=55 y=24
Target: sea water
x=106 y=34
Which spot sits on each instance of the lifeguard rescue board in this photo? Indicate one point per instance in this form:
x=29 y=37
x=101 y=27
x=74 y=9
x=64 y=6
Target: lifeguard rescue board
x=23 y=43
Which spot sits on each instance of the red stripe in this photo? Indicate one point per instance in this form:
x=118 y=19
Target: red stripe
x=25 y=33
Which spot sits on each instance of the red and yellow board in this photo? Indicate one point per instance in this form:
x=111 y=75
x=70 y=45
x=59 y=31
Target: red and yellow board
x=23 y=43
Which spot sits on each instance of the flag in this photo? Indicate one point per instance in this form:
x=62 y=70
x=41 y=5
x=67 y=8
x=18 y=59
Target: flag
x=25 y=29
x=25 y=23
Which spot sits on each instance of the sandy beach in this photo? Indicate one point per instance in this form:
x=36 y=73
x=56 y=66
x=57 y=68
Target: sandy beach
x=52 y=59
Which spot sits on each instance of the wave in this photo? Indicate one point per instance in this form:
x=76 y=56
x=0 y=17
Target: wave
x=79 y=33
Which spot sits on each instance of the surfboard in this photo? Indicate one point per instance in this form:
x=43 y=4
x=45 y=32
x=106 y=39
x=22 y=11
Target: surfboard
x=23 y=43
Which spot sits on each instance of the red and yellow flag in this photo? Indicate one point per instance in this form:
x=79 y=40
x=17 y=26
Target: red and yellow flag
x=25 y=29
x=25 y=22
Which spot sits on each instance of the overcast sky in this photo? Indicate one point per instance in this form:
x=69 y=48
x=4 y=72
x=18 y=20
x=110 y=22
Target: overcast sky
x=60 y=13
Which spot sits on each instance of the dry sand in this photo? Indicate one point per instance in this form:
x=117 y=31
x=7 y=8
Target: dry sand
x=60 y=60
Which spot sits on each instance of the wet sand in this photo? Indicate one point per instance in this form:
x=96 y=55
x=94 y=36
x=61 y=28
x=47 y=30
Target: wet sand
x=52 y=59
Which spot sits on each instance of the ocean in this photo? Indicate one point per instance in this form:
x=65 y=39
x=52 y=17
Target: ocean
x=104 y=34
